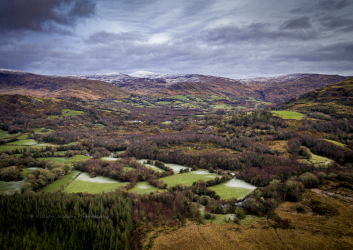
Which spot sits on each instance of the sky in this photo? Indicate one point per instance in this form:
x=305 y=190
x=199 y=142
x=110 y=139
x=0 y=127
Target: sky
x=230 y=38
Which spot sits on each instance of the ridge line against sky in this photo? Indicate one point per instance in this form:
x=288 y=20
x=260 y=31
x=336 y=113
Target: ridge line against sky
x=235 y=39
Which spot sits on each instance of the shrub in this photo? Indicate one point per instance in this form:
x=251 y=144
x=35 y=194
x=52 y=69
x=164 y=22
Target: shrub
x=309 y=180
x=300 y=209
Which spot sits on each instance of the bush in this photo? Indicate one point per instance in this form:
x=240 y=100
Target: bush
x=309 y=180
x=300 y=209
x=323 y=208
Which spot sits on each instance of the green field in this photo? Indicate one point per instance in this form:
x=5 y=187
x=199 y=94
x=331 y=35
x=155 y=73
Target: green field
x=78 y=158
x=54 y=159
x=99 y=184
x=5 y=148
x=61 y=153
x=13 y=186
x=336 y=142
x=287 y=114
x=66 y=112
x=188 y=178
x=5 y=134
x=23 y=137
x=42 y=130
x=222 y=106
x=28 y=142
x=233 y=189
x=62 y=182
x=180 y=97
x=317 y=160
x=164 y=102
x=144 y=188
x=150 y=166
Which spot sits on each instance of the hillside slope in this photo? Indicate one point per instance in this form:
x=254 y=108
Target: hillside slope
x=331 y=99
x=59 y=87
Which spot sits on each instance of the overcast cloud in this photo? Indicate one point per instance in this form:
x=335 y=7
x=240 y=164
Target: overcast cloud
x=230 y=38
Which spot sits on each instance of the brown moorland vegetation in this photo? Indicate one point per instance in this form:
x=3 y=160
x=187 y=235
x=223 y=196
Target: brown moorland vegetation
x=50 y=86
x=308 y=229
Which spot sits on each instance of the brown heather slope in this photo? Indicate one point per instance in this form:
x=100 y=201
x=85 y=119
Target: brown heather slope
x=332 y=99
x=309 y=230
x=271 y=89
x=283 y=91
x=221 y=87
x=58 y=87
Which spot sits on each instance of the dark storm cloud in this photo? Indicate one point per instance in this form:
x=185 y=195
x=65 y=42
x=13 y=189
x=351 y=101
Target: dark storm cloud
x=232 y=38
x=337 y=23
x=256 y=32
x=333 y=4
x=42 y=15
x=108 y=37
x=297 y=23
x=333 y=53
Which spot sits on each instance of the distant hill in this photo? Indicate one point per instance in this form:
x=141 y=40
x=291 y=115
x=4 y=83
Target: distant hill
x=115 y=85
x=15 y=82
x=274 y=89
x=331 y=99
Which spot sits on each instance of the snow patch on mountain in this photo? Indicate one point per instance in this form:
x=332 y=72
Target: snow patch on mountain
x=275 y=79
x=12 y=71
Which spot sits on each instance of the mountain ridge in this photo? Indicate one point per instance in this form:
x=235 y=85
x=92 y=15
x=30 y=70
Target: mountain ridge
x=275 y=89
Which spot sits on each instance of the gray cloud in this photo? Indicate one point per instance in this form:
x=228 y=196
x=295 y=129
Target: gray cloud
x=108 y=37
x=256 y=32
x=227 y=38
x=337 y=23
x=333 y=4
x=42 y=15
x=297 y=23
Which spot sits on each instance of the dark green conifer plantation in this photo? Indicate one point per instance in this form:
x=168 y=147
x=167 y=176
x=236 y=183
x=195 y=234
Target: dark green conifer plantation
x=65 y=221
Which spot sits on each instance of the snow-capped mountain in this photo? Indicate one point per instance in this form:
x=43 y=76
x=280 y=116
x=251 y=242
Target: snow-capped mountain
x=159 y=78
x=275 y=79
x=273 y=89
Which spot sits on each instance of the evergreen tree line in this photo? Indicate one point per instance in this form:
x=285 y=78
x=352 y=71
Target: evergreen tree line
x=65 y=221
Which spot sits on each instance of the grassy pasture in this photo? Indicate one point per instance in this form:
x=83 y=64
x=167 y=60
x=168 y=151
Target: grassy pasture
x=78 y=158
x=61 y=153
x=336 y=143
x=23 y=137
x=28 y=142
x=54 y=159
x=5 y=134
x=233 y=189
x=66 y=112
x=13 y=186
x=164 y=102
x=188 y=178
x=316 y=159
x=96 y=185
x=176 y=168
x=64 y=179
x=144 y=188
x=150 y=166
x=42 y=130
x=287 y=114
x=222 y=106
x=5 y=147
